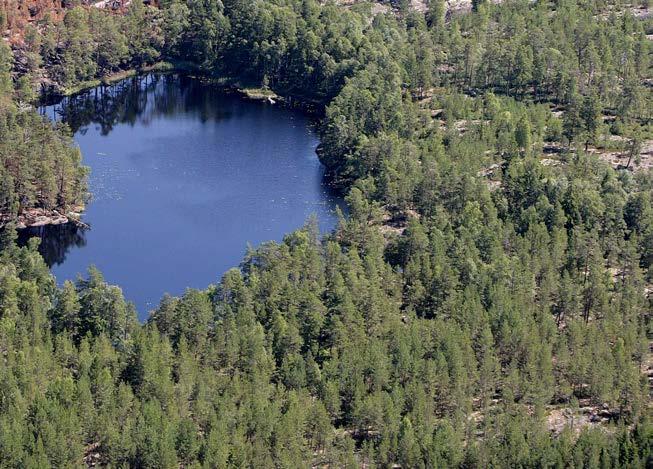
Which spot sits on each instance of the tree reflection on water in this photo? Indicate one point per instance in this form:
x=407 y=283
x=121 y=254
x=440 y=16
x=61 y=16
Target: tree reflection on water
x=56 y=240
x=139 y=98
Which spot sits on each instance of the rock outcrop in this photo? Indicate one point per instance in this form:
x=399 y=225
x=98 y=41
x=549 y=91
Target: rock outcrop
x=18 y=14
x=40 y=217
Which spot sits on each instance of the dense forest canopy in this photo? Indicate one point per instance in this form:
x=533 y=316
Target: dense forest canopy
x=487 y=302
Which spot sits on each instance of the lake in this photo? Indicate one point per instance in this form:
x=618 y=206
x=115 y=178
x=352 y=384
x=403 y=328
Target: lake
x=183 y=177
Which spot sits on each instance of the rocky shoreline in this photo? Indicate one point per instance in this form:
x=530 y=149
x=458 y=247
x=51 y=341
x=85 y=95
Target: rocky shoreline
x=36 y=217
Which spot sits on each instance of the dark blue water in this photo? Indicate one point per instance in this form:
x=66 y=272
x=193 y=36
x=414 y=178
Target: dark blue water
x=183 y=176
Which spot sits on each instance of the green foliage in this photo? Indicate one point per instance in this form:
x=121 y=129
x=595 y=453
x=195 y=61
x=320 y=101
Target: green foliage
x=478 y=288
x=32 y=177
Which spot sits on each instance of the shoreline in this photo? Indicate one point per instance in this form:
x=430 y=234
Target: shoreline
x=53 y=93
x=56 y=93
x=37 y=217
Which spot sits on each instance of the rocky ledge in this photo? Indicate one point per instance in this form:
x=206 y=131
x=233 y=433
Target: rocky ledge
x=36 y=217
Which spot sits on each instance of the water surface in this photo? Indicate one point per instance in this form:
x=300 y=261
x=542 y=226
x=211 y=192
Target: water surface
x=183 y=176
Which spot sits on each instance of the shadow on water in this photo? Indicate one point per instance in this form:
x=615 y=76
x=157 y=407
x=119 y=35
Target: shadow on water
x=56 y=240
